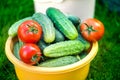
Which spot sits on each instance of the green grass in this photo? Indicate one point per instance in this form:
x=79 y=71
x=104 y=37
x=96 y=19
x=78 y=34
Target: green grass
x=106 y=64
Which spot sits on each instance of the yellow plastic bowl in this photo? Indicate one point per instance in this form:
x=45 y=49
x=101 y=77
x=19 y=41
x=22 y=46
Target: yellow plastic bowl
x=75 y=71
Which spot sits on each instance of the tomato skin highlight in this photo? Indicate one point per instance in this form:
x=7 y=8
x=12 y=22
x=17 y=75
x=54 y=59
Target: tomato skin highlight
x=30 y=31
x=92 y=29
x=30 y=53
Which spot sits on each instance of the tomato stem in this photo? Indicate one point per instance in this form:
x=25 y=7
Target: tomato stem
x=35 y=58
x=89 y=28
x=32 y=29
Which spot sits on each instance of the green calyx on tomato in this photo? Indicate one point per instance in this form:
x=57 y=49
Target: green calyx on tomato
x=35 y=58
x=32 y=29
x=89 y=29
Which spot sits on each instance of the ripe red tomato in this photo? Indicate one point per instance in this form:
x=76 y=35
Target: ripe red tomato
x=29 y=31
x=92 y=29
x=30 y=53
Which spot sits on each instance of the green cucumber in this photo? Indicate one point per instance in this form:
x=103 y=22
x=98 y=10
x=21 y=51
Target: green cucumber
x=61 y=61
x=64 y=48
x=58 y=36
x=85 y=42
x=83 y=54
x=14 y=27
x=78 y=29
x=42 y=44
x=47 y=26
x=62 y=23
x=74 y=19
x=16 y=49
x=20 y=43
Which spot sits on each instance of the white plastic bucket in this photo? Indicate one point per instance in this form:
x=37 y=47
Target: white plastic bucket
x=81 y=8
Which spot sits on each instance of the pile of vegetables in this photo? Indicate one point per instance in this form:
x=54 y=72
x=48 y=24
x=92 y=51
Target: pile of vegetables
x=54 y=39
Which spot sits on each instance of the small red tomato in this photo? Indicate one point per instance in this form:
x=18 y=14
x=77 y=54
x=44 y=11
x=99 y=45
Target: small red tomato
x=92 y=29
x=30 y=53
x=29 y=31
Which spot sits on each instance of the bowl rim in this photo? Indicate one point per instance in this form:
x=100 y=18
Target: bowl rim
x=51 y=70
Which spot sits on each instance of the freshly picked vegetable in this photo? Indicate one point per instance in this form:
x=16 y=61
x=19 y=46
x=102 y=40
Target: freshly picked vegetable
x=64 y=48
x=61 y=61
x=30 y=53
x=29 y=31
x=47 y=26
x=62 y=23
x=92 y=29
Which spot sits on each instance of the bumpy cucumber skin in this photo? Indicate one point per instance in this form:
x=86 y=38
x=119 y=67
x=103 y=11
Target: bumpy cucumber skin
x=61 y=61
x=64 y=48
x=59 y=36
x=47 y=26
x=85 y=42
x=62 y=23
x=14 y=27
x=42 y=44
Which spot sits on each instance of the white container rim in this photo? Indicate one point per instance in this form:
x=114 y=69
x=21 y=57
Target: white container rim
x=46 y=1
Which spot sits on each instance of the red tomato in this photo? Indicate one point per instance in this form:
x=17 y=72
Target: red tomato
x=30 y=53
x=29 y=31
x=92 y=29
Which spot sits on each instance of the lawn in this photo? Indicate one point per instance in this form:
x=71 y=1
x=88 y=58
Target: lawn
x=106 y=64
